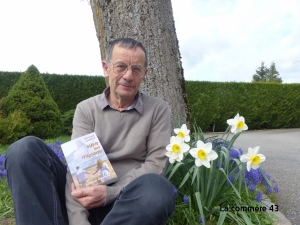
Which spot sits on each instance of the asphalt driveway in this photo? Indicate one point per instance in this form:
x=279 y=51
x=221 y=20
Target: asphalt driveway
x=282 y=150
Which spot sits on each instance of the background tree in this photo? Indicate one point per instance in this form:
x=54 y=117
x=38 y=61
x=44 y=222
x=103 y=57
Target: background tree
x=273 y=75
x=152 y=23
x=31 y=96
x=265 y=74
x=261 y=73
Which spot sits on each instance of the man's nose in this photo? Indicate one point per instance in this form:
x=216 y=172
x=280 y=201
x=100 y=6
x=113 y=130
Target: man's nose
x=128 y=75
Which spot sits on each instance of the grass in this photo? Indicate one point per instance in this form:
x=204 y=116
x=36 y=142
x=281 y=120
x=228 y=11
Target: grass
x=62 y=138
x=3 y=149
x=6 y=203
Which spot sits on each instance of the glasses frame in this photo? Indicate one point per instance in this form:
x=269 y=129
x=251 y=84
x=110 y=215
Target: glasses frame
x=135 y=76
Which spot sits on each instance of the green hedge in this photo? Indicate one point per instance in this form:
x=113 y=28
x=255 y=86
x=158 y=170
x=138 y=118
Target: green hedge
x=69 y=90
x=264 y=105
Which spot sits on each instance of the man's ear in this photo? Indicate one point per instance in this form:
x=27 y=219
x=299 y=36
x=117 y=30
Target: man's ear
x=105 y=66
x=145 y=75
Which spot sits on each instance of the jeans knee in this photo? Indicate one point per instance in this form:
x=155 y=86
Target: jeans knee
x=158 y=181
x=158 y=192
x=21 y=151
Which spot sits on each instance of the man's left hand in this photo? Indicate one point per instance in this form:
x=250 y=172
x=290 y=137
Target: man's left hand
x=90 y=197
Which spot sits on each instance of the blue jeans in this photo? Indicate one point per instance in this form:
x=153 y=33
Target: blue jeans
x=37 y=178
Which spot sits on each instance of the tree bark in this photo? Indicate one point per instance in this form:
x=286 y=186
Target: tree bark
x=150 y=22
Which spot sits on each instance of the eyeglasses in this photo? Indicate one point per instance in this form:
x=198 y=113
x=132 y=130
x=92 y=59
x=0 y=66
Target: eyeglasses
x=121 y=68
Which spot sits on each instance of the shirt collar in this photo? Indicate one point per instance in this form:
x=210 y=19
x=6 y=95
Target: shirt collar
x=137 y=104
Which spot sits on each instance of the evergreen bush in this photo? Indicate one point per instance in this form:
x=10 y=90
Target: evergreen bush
x=31 y=95
x=15 y=126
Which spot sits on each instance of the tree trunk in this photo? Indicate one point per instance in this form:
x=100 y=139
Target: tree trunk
x=152 y=23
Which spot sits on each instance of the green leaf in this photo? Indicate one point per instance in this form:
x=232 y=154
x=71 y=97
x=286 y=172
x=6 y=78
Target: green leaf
x=174 y=169
x=246 y=218
x=226 y=132
x=198 y=132
x=187 y=175
x=233 y=139
x=235 y=190
x=241 y=176
x=197 y=194
x=196 y=170
x=211 y=177
x=266 y=178
x=222 y=218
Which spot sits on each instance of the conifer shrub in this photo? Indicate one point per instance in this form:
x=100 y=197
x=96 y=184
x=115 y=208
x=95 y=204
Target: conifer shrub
x=31 y=95
x=13 y=127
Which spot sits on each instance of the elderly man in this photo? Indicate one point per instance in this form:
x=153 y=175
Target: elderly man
x=133 y=129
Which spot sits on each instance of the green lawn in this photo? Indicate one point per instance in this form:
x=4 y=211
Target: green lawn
x=3 y=149
x=62 y=138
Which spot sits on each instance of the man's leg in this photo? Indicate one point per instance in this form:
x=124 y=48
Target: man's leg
x=36 y=178
x=149 y=199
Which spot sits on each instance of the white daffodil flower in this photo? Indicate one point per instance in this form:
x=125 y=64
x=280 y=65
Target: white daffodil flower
x=176 y=148
x=203 y=154
x=183 y=133
x=252 y=158
x=237 y=124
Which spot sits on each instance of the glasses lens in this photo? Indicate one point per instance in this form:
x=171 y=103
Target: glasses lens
x=137 y=71
x=120 y=68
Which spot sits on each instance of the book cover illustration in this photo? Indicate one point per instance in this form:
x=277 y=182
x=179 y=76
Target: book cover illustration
x=88 y=162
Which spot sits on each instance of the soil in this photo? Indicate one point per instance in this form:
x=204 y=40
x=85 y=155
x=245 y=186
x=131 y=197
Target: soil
x=8 y=221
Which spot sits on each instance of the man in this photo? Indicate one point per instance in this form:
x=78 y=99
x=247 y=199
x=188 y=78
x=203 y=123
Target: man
x=133 y=129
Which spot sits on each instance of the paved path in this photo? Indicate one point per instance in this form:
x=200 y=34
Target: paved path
x=282 y=150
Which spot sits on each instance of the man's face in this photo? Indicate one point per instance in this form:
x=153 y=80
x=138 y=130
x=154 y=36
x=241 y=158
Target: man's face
x=124 y=87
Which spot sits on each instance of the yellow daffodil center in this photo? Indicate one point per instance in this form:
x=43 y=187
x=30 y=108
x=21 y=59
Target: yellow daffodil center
x=180 y=134
x=175 y=148
x=201 y=154
x=255 y=159
x=240 y=124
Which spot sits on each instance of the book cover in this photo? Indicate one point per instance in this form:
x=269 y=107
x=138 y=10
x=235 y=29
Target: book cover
x=88 y=162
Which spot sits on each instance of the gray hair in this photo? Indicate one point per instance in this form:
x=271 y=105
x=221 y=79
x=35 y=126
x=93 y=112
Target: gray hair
x=125 y=43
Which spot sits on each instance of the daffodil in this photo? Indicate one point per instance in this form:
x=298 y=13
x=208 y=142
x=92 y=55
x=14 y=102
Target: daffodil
x=176 y=148
x=252 y=158
x=203 y=154
x=183 y=133
x=237 y=124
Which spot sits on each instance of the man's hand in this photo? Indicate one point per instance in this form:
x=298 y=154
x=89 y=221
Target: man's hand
x=90 y=197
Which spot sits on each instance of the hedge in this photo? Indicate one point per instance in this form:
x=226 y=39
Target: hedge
x=264 y=105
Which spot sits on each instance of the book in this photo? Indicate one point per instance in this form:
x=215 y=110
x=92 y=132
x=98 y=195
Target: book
x=88 y=162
